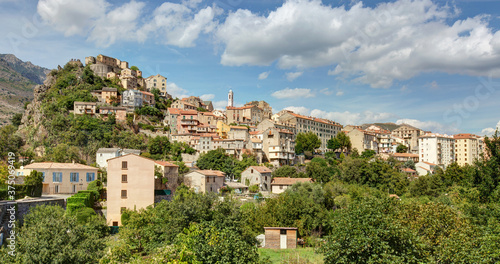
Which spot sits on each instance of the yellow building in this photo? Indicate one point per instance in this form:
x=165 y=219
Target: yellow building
x=468 y=148
x=223 y=129
x=67 y=178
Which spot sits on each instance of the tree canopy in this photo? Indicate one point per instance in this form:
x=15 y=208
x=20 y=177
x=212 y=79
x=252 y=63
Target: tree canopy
x=306 y=142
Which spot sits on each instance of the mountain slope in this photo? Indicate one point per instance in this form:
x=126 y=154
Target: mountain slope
x=17 y=81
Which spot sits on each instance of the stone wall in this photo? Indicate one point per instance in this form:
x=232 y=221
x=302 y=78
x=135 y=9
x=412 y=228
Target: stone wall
x=24 y=206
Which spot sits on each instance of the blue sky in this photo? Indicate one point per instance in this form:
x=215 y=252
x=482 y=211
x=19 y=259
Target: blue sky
x=432 y=64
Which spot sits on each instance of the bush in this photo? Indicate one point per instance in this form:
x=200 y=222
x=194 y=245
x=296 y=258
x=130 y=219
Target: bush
x=84 y=214
x=254 y=188
x=73 y=207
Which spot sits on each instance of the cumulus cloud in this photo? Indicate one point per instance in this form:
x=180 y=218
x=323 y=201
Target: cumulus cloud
x=432 y=126
x=264 y=75
x=339 y=93
x=344 y=118
x=119 y=23
x=207 y=97
x=220 y=105
x=490 y=130
x=433 y=85
x=180 y=25
x=392 y=41
x=72 y=17
x=293 y=93
x=176 y=91
x=290 y=76
x=326 y=91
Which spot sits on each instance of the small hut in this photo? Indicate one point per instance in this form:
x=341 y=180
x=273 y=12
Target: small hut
x=280 y=237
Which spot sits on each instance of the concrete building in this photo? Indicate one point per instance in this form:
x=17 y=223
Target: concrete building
x=468 y=148
x=404 y=157
x=187 y=121
x=424 y=168
x=131 y=185
x=84 y=108
x=128 y=81
x=103 y=154
x=132 y=99
x=410 y=134
x=278 y=146
x=259 y=175
x=170 y=172
x=361 y=139
x=64 y=178
x=249 y=115
x=323 y=128
x=266 y=108
x=148 y=98
x=437 y=149
x=157 y=81
x=183 y=105
x=109 y=94
x=203 y=181
x=119 y=112
x=280 y=184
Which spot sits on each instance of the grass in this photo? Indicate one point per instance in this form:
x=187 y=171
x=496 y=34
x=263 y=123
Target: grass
x=296 y=256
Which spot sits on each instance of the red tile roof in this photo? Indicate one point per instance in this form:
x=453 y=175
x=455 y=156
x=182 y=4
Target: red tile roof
x=261 y=169
x=165 y=163
x=212 y=173
x=405 y=155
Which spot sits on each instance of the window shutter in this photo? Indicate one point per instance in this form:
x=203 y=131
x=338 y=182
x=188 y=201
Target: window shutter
x=53 y=176
x=77 y=177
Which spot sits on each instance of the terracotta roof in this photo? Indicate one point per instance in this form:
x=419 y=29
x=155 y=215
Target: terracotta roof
x=287 y=228
x=465 y=136
x=408 y=170
x=428 y=163
x=288 y=180
x=261 y=169
x=424 y=168
x=255 y=132
x=256 y=140
x=240 y=108
x=320 y=120
x=85 y=103
x=211 y=173
x=405 y=155
x=189 y=112
x=175 y=111
x=55 y=165
x=147 y=93
x=109 y=89
x=239 y=127
x=165 y=163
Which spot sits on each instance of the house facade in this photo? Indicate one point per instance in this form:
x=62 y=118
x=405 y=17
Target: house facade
x=63 y=178
x=280 y=184
x=84 y=108
x=468 y=148
x=203 y=181
x=259 y=175
x=132 y=99
x=437 y=149
x=103 y=154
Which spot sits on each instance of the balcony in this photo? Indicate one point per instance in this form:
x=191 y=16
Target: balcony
x=189 y=122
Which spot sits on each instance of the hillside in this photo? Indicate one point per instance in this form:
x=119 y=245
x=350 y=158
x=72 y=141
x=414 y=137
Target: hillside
x=17 y=81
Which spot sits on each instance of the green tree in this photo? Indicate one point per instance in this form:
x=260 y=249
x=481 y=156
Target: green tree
x=65 y=153
x=35 y=182
x=340 y=141
x=368 y=153
x=16 y=119
x=134 y=68
x=318 y=172
x=285 y=171
x=159 y=146
x=306 y=142
x=48 y=235
x=366 y=232
x=216 y=160
x=9 y=141
x=401 y=148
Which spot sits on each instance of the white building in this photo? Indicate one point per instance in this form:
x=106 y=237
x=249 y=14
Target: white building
x=437 y=149
x=230 y=98
x=132 y=98
x=103 y=154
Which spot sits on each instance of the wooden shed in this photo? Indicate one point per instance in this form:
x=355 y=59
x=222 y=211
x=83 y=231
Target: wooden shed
x=280 y=237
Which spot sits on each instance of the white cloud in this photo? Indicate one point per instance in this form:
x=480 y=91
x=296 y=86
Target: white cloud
x=118 y=24
x=293 y=93
x=490 y=131
x=326 y=91
x=290 y=76
x=404 y=88
x=220 y=105
x=179 y=25
x=433 y=85
x=176 y=91
x=339 y=93
x=432 y=126
x=72 y=17
x=264 y=75
x=207 y=97
x=344 y=118
x=392 y=41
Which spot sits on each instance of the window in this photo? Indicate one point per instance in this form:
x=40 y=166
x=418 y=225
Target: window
x=43 y=175
x=90 y=176
x=124 y=165
x=124 y=193
x=124 y=177
x=251 y=171
x=73 y=177
x=56 y=189
x=115 y=223
x=208 y=179
x=57 y=177
x=214 y=179
x=282 y=231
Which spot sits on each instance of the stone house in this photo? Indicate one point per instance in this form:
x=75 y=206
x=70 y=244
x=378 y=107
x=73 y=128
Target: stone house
x=280 y=237
x=259 y=175
x=84 y=108
x=203 y=181
x=148 y=98
x=119 y=112
x=280 y=184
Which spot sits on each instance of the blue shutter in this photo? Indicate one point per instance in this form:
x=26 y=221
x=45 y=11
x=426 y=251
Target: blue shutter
x=53 y=177
x=43 y=174
x=77 y=177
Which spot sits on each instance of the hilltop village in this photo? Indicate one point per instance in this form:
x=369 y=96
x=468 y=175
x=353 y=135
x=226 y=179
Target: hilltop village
x=114 y=151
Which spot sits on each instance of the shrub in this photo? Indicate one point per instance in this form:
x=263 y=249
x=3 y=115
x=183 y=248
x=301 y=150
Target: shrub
x=254 y=188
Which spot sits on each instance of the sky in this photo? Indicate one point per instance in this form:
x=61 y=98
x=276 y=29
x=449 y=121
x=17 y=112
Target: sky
x=431 y=64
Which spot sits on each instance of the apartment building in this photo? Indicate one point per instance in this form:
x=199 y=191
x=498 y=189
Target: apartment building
x=157 y=82
x=132 y=185
x=410 y=134
x=179 y=104
x=437 y=149
x=468 y=148
x=103 y=154
x=63 y=178
x=266 y=108
x=278 y=146
x=323 y=128
x=361 y=139
x=132 y=99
